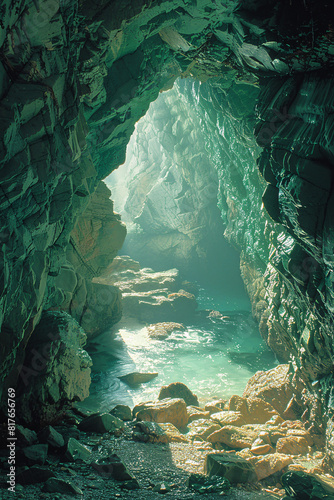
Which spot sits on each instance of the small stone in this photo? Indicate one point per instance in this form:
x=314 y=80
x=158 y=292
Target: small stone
x=122 y=412
x=101 y=423
x=262 y=449
x=54 y=485
x=160 y=331
x=207 y=485
x=275 y=420
x=50 y=436
x=162 y=488
x=76 y=451
x=138 y=378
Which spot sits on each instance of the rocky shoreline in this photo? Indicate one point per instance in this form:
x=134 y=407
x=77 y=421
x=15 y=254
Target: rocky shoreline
x=244 y=447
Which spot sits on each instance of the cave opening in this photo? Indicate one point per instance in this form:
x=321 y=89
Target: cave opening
x=188 y=168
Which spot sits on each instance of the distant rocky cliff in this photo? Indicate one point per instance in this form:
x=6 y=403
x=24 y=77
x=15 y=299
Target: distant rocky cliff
x=75 y=77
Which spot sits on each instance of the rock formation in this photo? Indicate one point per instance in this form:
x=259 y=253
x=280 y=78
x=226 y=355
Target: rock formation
x=75 y=77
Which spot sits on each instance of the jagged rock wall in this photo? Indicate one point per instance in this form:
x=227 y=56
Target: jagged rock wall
x=75 y=78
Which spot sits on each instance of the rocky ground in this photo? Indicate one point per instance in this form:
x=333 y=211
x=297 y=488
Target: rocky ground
x=241 y=448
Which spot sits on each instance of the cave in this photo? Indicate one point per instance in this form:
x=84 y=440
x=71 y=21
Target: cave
x=247 y=163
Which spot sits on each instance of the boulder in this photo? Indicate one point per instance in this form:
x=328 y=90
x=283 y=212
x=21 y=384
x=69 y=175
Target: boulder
x=172 y=410
x=136 y=378
x=173 y=434
x=231 y=467
x=25 y=437
x=228 y=418
x=122 y=412
x=195 y=413
x=178 y=390
x=292 y=445
x=267 y=465
x=76 y=451
x=301 y=433
x=215 y=406
x=35 y=454
x=301 y=485
x=101 y=423
x=56 y=369
x=34 y=474
x=160 y=331
x=184 y=304
x=234 y=437
x=202 y=428
x=149 y=432
x=253 y=410
x=273 y=386
x=112 y=466
x=50 y=436
x=54 y=485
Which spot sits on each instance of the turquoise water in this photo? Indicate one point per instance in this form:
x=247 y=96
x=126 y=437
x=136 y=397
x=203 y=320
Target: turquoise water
x=220 y=301
x=214 y=359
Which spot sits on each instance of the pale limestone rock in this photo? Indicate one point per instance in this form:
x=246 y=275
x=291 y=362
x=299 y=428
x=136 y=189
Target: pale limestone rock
x=56 y=369
x=234 y=437
x=173 y=434
x=267 y=465
x=228 y=418
x=168 y=410
x=292 y=445
x=202 y=428
x=195 y=413
x=273 y=386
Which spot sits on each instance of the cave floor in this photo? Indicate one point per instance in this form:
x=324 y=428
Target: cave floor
x=151 y=464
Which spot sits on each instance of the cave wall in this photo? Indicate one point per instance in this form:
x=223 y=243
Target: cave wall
x=74 y=80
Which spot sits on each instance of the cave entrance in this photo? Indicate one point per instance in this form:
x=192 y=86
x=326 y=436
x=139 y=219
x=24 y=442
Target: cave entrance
x=183 y=184
x=189 y=167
